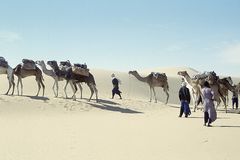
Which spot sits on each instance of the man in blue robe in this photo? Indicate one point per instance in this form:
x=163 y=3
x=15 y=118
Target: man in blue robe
x=184 y=96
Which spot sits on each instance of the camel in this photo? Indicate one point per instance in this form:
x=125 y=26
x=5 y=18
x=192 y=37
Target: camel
x=56 y=78
x=65 y=66
x=152 y=81
x=9 y=71
x=75 y=79
x=218 y=89
x=193 y=86
x=197 y=84
x=22 y=73
x=225 y=85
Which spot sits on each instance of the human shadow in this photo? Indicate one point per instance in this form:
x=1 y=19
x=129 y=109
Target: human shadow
x=195 y=117
x=114 y=108
x=107 y=102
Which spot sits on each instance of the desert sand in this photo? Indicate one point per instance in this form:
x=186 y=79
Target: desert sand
x=48 y=128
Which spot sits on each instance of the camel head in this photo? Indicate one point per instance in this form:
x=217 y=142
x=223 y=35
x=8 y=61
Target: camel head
x=132 y=72
x=52 y=64
x=182 y=73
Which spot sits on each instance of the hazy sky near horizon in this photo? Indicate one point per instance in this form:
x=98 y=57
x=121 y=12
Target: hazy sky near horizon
x=125 y=34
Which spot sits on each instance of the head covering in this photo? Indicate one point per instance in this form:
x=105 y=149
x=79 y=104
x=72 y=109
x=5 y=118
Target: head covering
x=113 y=75
x=184 y=83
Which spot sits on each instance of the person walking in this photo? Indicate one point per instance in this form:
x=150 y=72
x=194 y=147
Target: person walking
x=184 y=97
x=210 y=114
x=115 y=89
x=235 y=97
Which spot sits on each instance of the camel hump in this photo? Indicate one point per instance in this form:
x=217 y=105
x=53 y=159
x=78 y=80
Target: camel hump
x=3 y=62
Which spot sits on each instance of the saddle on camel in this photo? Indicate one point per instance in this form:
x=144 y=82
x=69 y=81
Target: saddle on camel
x=28 y=64
x=80 y=69
x=3 y=62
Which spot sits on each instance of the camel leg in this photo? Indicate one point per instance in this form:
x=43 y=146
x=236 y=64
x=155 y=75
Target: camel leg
x=92 y=90
x=224 y=102
x=13 y=84
x=194 y=100
x=165 y=90
x=18 y=85
x=150 y=94
x=96 y=92
x=218 y=102
x=154 y=94
x=65 y=88
x=43 y=87
x=9 y=86
x=21 y=86
x=57 y=87
x=53 y=88
x=80 y=87
x=75 y=90
x=39 y=87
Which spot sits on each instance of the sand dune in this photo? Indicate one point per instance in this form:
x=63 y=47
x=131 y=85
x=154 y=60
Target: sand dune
x=43 y=128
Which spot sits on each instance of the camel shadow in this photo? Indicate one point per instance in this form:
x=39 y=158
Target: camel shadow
x=114 y=109
x=37 y=98
x=227 y=126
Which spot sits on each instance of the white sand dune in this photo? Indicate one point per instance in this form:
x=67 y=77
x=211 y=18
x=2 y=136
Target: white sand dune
x=48 y=128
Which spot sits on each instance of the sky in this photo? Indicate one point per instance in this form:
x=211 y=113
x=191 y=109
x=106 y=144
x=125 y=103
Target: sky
x=124 y=35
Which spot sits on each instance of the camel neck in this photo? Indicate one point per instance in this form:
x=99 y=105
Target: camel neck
x=142 y=79
x=188 y=79
x=44 y=68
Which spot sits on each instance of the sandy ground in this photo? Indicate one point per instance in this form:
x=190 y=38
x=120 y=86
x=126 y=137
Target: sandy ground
x=48 y=128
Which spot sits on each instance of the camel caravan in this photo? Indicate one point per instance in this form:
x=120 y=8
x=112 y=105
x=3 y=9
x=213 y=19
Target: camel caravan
x=220 y=86
x=76 y=74
x=72 y=74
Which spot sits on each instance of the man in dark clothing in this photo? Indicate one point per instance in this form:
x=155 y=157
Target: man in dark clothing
x=184 y=96
x=235 y=97
x=115 y=89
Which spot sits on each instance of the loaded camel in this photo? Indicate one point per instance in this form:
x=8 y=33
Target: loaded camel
x=6 y=69
x=218 y=86
x=152 y=81
x=75 y=79
x=21 y=73
x=225 y=85
x=214 y=80
x=56 y=78
x=65 y=66
x=193 y=86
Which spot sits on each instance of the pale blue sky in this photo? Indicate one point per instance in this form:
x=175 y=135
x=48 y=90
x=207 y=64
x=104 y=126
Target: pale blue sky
x=125 y=34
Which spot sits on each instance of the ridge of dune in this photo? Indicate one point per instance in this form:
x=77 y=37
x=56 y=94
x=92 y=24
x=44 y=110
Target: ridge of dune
x=171 y=71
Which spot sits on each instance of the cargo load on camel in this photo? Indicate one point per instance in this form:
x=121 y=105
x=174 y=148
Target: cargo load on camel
x=80 y=69
x=28 y=64
x=3 y=62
